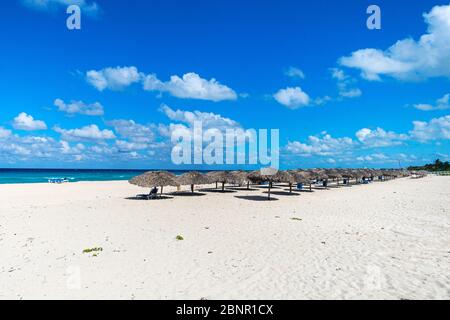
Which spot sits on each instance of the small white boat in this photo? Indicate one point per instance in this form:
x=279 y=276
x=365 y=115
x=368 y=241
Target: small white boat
x=58 y=180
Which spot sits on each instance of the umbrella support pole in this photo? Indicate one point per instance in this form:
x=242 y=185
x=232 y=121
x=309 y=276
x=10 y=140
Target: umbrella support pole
x=270 y=187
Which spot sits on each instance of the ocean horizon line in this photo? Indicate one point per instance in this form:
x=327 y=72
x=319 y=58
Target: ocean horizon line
x=103 y=169
x=39 y=175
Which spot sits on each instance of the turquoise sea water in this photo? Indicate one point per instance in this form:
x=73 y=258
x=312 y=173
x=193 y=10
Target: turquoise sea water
x=8 y=176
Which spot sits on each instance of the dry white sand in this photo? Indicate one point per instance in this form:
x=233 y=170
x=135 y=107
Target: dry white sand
x=386 y=240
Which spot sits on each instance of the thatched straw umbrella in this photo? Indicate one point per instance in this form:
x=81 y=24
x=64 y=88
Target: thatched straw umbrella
x=367 y=174
x=302 y=177
x=220 y=177
x=211 y=177
x=373 y=174
x=155 y=179
x=240 y=178
x=400 y=173
x=406 y=173
x=357 y=175
x=333 y=174
x=285 y=177
x=271 y=175
x=347 y=175
x=383 y=174
x=420 y=174
x=264 y=175
x=310 y=176
x=417 y=174
x=319 y=175
x=387 y=174
x=360 y=174
x=192 y=178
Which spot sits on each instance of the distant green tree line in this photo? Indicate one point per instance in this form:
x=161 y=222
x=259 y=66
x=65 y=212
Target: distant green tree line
x=438 y=165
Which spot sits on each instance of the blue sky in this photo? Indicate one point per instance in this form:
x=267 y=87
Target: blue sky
x=108 y=95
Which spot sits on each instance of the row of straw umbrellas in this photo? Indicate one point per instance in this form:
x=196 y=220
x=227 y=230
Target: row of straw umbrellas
x=418 y=174
x=342 y=177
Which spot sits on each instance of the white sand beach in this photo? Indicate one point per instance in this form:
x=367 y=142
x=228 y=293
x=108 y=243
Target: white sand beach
x=386 y=240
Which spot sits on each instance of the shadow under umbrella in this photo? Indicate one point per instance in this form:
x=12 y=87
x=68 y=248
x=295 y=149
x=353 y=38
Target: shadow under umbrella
x=267 y=187
x=256 y=198
x=319 y=188
x=144 y=197
x=187 y=194
x=242 y=189
x=283 y=193
x=212 y=190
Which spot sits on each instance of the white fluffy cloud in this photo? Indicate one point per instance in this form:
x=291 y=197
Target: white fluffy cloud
x=409 y=59
x=184 y=125
x=441 y=104
x=435 y=129
x=373 y=62
x=323 y=145
x=294 y=72
x=88 y=7
x=14 y=149
x=364 y=158
x=97 y=146
x=126 y=146
x=292 y=98
x=91 y=132
x=4 y=133
x=129 y=129
x=351 y=93
x=326 y=145
x=191 y=86
x=209 y=120
x=344 y=83
x=379 y=138
x=379 y=156
x=66 y=148
x=26 y=122
x=27 y=148
x=393 y=159
x=113 y=78
x=93 y=109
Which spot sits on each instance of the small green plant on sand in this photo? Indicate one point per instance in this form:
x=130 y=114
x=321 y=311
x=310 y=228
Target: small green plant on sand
x=99 y=249
x=179 y=238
